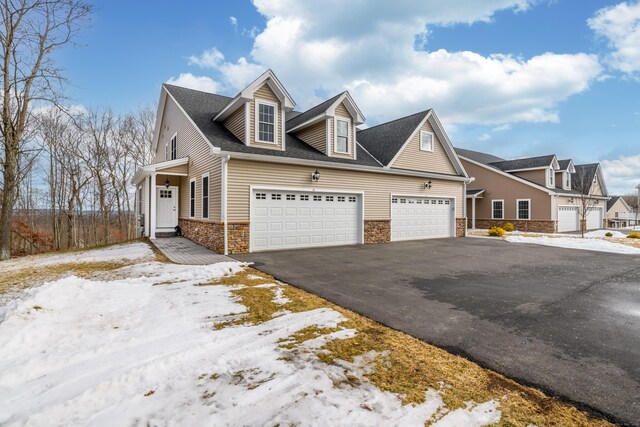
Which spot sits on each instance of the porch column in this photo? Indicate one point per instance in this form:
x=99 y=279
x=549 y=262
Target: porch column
x=147 y=195
x=473 y=213
x=152 y=232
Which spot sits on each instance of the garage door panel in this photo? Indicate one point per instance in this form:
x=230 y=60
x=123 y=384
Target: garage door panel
x=285 y=219
x=594 y=218
x=568 y=218
x=421 y=218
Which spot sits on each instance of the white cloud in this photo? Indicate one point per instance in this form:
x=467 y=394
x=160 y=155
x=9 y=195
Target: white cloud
x=622 y=174
x=234 y=22
x=378 y=54
x=203 y=83
x=620 y=26
x=484 y=137
x=501 y=128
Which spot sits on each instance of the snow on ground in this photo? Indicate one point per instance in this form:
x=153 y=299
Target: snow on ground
x=143 y=351
x=114 y=253
x=577 y=243
x=601 y=233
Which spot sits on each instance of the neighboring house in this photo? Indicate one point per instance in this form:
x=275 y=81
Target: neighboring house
x=541 y=194
x=619 y=213
x=250 y=173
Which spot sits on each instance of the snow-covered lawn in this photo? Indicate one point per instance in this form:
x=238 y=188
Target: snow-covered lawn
x=164 y=344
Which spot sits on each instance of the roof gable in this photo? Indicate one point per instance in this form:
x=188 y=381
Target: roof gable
x=615 y=199
x=326 y=108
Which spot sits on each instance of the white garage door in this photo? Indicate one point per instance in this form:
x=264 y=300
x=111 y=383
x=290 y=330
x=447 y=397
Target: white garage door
x=290 y=219
x=594 y=218
x=421 y=218
x=568 y=218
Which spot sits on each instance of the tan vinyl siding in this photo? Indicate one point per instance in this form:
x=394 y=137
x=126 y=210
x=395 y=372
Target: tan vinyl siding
x=315 y=135
x=412 y=157
x=342 y=111
x=377 y=187
x=500 y=187
x=191 y=144
x=235 y=123
x=539 y=176
x=176 y=169
x=596 y=189
x=619 y=207
x=264 y=92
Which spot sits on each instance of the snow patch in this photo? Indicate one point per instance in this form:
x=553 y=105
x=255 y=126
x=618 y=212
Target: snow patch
x=601 y=233
x=577 y=243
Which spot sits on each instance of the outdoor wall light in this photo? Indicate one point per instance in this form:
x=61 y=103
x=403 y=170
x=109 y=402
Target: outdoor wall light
x=427 y=184
x=571 y=200
x=315 y=177
x=166 y=183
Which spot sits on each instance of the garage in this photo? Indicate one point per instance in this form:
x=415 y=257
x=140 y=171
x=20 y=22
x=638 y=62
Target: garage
x=421 y=217
x=594 y=218
x=568 y=218
x=297 y=219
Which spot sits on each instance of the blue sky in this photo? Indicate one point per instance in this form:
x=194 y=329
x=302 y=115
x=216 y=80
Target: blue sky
x=510 y=77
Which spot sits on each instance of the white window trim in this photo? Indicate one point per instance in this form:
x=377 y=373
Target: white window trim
x=518 y=209
x=174 y=137
x=551 y=178
x=205 y=175
x=423 y=132
x=492 y=210
x=166 y=151
x=566 y=180
x=259 y=101
x=192 y=196
x=335 y=134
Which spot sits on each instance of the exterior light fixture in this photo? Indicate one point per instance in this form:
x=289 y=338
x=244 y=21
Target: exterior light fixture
x=571 y=200
x=166 y=183
x=427 y=184
x=315 y=177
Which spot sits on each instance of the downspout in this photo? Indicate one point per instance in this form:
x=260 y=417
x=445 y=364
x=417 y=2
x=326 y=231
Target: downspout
x=225 y=161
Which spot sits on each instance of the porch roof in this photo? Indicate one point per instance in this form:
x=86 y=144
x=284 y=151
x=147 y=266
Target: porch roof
x=179 y=167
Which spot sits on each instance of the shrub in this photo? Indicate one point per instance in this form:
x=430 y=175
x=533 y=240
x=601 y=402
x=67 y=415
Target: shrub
x=496 y=231
x=508 y=227
x=608 y=234
x=634 y=236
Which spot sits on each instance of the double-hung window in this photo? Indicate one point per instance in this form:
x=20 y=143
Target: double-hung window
x=192 y=198
x=551 y=175
x=267 y=119
x=497 y=209
x=524 y=209
x=426 y=141
x=342 y=136
x=205 y=196
x=174 y=147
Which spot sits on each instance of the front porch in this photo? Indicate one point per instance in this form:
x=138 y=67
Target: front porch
x=158 y=197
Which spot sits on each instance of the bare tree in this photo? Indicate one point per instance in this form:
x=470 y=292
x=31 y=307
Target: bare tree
x=31 y=30
x=633 y=200
x=582 y=182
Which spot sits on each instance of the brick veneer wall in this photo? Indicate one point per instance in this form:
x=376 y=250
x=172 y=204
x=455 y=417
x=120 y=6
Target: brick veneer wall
x=377 y=231
x=461 y=227
x=520 y=225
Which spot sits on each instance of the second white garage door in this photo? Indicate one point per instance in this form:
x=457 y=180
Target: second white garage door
x=294 y=219
x=421 y=218
x=568 y=218
x=594 y=218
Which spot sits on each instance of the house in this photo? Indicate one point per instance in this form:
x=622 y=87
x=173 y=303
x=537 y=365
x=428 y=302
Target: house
x=539 y=194
x=619 y=213
x=251 y=173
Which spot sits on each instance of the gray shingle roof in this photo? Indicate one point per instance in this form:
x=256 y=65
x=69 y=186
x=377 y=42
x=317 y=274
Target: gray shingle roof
x=312 y=112
x=612 y=201
x=526 y=163
x=203 y=106
x=474 y=192
x=564 y=164
x=478 y=156
x=385 y=140
x=582 y=179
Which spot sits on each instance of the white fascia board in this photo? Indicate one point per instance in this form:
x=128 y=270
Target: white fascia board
x=232 y=106
x=331 y=165
x=514 y=177
x=159 y=117
x=309 y=122
x=351 y=105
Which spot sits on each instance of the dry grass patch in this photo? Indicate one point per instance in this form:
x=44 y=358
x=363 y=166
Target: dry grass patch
x=404 y=365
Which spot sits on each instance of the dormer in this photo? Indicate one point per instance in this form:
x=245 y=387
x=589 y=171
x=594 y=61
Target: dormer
x=330 y=127
x=256 y=116
x=541 y=170
x=563 y=175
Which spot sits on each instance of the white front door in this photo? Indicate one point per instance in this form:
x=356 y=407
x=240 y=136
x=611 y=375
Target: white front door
x=568 y=218
x=166 y=207
x=421 y=217
x=594 y=218
x=297 y=219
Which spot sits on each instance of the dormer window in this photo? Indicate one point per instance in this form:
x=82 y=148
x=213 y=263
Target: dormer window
x=267 y=119
x=426 y=141
x=566 y=178
x=551 y=178
x=342 y=136
x=174 y=147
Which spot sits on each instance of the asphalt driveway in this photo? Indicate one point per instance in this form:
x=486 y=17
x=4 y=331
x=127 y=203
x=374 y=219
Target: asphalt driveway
x=567 y=321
